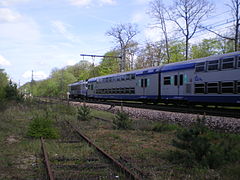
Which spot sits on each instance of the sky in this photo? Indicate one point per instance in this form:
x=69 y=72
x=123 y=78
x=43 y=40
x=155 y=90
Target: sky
x=40 y=35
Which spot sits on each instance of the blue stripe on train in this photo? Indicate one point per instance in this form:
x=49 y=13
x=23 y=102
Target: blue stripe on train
x=130 y=97
x=211 y=99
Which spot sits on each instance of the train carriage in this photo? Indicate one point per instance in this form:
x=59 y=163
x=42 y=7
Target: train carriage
x=78 y=90
x=209 y=80
x=134 y=85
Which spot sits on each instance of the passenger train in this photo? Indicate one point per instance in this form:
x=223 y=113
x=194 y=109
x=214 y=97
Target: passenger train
x=208 y=80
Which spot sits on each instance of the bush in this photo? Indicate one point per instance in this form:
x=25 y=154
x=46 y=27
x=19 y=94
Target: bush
x=200 y=146
x=122 y=121
x=160 y=127
x=84 y=113
x=42 y=127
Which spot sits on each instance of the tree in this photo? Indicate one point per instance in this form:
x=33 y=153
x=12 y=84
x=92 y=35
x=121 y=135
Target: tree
x=158 y=12
x=187 y=15
x=109 y=65
x=3 y=84
x=123 y=35
x=234 y=6
x=206 y=48
x=153 y=54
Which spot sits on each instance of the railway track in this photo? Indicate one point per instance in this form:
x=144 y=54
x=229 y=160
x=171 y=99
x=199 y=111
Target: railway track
x=233 y=112
x=91 y=165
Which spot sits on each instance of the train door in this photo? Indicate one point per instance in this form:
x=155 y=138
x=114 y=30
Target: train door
x=144 y=83
x=178 y=83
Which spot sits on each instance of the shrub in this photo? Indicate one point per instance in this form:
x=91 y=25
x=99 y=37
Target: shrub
x=84 y=113
x=122 y=121
x=160 y=127
x=42 y=126
x=200 y=146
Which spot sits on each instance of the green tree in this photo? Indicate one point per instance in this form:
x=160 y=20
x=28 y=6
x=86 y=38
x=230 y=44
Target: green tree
x=109 y=65
x=177 y=50
x=12 y=91
x=3 y=84
x=206 y=48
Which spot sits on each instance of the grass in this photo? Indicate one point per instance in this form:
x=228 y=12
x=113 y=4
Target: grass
x=143 y=147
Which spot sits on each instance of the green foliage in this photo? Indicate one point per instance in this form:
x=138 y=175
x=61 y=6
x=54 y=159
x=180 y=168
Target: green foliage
x=109 y=65
x=84 y=113
x=122 y=121
x=206 y=48
x=3 y=84
x=11 y=92
x=161 y=127
x=176 y=50
x=42 y=126
x=200 y=146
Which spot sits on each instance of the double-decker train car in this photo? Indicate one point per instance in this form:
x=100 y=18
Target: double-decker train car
x=209 y=80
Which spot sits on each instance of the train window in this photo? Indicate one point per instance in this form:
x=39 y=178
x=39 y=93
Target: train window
x=238 y=62
x=238 y=87
x=142 y=82
x=132 y=90
x=127 y=90
x=148 y=83
x=227 y=87
x=181 y=80
x=122 y=78
x=121 y=90
x=212 y=87
x=114 y=91
x=175 y=80
x=132 y=76
x=118 y=78
x=199 y=88
x=128 y=77
x=213 y=65
x=200 y=67
x=167 y=80
x=228 y=63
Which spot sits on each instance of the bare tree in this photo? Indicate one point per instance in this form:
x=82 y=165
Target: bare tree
x=234 y=6
x=187 y=15
x=158 y=12
x=123 y=35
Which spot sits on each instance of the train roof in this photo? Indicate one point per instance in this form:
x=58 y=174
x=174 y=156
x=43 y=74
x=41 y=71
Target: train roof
x=149 y=70
x=78 y=83
x=170 y=67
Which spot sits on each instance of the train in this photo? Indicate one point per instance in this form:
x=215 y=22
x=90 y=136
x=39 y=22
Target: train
x=209 y=80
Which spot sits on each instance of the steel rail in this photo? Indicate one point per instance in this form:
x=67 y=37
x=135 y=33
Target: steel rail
x=46 y=161
x=124 y=169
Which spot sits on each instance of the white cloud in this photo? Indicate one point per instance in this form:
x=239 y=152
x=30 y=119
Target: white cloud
x=80 y=2
x=62 y=28
x=22 y=31
x=37 y=75
x=11 y=2
x=4 y=62
x=16 y=27
x=7 y=15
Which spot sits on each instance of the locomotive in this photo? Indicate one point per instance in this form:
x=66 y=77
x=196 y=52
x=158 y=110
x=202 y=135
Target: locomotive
x=208 y=80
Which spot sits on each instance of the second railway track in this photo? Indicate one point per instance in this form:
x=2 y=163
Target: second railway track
x=87 y=161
